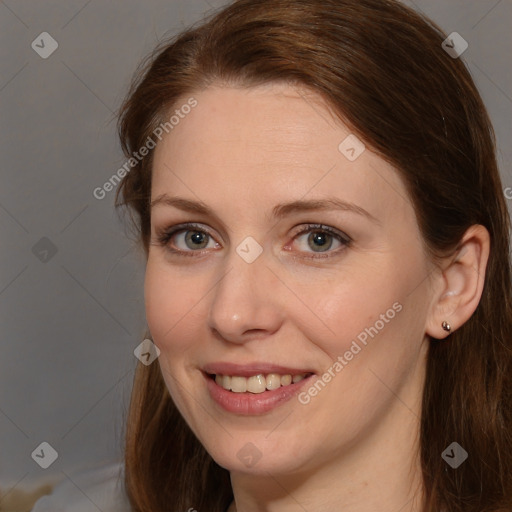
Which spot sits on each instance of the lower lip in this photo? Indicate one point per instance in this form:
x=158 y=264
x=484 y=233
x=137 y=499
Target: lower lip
x=252 y=403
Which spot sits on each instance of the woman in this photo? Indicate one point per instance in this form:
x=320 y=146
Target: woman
x=328 y=280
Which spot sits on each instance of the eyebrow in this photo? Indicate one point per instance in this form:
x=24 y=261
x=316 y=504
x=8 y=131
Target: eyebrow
x=279 y=211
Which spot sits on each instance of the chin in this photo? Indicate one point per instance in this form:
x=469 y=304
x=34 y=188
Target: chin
x=258 y=456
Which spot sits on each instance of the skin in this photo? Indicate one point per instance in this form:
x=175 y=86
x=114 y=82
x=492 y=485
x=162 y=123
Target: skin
x=354 y=446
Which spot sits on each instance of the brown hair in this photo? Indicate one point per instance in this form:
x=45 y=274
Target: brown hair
x=381 y=68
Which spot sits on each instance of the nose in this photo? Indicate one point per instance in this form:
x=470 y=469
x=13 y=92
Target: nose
x=245 y=302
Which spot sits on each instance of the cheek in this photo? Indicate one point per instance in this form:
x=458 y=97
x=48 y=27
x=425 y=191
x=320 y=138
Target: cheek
x=171 y=304
x=170 y=314
x=344 y=307
x=367 y=305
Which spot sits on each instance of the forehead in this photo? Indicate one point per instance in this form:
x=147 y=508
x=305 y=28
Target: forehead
x=273 y=142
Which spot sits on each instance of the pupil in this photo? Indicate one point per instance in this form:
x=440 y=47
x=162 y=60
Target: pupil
x=319 y=240
x=196 y=237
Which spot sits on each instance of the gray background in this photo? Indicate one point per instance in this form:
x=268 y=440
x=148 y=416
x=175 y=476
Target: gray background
x=70 y=324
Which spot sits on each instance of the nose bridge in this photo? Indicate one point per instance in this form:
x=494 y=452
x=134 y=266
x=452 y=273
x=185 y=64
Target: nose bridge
x=242 y=298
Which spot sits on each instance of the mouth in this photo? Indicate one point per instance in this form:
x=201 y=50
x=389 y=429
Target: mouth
x=254 y=394
x=257 y=383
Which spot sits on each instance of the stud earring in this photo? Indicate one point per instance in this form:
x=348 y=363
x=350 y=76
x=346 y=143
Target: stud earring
x=446 y=326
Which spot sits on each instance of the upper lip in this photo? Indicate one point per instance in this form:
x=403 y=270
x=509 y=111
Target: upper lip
x=248 y=370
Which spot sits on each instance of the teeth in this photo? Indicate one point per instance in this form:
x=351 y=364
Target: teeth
x=256 y=383
x=286 y=380
x=238 y=384
x=226 y=381
x=273 y=381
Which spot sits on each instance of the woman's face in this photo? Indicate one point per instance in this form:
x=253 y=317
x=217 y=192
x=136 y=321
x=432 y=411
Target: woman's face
x=250 y=289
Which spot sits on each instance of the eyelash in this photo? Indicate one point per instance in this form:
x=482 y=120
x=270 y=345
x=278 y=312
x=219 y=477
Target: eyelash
x=164 y=236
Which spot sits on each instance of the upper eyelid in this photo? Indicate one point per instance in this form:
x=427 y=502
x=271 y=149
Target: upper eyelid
x=298 y=230
x=190 y=226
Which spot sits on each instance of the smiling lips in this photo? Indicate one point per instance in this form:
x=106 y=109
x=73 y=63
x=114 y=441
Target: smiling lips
x=254 y=388
x=257 y=383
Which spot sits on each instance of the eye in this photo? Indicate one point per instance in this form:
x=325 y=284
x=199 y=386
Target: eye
x=187 y=239
x=320 y=239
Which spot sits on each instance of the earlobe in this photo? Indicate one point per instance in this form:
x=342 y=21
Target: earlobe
x=461 y=284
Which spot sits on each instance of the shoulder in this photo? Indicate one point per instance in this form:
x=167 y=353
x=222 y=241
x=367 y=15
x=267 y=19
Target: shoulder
x=19 y=500
x=97 y=488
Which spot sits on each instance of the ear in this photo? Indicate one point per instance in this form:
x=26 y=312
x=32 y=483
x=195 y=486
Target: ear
x=460 y=284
